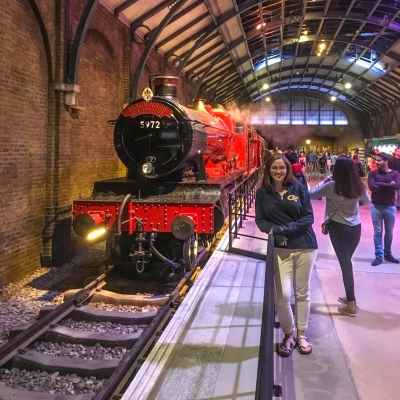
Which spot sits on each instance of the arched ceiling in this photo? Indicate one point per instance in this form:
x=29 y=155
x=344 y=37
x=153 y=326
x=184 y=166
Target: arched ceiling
x=232 y=49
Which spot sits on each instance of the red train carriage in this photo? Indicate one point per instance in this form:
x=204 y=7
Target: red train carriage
x=182 y=162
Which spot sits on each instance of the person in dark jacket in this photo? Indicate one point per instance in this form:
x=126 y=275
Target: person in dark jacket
x=394 y=163
x=383 y=183
x=322 y=164
x=283 y=209
x=359 y=167
x=297 y=168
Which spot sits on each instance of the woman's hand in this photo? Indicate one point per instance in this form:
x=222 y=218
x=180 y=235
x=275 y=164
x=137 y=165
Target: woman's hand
x=327 y=179
x=270 y=232
x=281 y=240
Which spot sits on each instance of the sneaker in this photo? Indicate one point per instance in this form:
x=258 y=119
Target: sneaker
x=343 y=300
x=390 y=258
x=376 y=262
x=346 y=310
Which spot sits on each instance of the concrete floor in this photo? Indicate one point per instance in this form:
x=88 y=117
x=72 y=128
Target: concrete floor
x=356 y=358
x=369 y=341
x=210 y=349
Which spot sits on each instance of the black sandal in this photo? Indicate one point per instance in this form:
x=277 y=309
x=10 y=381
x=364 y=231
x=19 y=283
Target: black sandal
x=302 y=349
x=285 y=351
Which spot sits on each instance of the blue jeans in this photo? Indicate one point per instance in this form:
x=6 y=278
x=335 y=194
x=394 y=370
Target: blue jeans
x=383 y=215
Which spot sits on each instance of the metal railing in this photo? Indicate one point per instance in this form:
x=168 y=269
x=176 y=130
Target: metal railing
x=240 y=202
x=265 y=387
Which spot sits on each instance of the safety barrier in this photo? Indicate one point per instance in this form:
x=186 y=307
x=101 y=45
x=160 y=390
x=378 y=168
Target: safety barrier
x=240 y=201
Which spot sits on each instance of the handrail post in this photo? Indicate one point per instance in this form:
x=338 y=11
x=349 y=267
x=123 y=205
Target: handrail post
x=248 y=195
x=241 y=209
x=230 y=222
x=236 y=215
x=265 y=372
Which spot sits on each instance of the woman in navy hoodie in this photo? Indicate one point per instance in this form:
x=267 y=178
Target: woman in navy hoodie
x=283 y=209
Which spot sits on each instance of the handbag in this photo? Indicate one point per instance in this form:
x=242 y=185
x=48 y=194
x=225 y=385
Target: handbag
x=325 y=224
x=325 y=227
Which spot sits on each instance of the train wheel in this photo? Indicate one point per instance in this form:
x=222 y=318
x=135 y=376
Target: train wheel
x=189 y=250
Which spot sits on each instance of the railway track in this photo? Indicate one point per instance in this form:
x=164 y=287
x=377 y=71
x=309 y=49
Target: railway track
x=112 y=374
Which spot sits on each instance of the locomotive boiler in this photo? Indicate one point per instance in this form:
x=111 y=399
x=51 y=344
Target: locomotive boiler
x=181 y=164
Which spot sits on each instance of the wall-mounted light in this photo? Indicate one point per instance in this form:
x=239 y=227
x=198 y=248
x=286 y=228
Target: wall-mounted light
x=308 y=141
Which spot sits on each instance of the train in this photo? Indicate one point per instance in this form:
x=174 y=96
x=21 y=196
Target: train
x=182 y=162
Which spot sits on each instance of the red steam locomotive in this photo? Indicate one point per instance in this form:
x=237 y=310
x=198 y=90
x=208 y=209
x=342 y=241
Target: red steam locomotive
x=182 y=162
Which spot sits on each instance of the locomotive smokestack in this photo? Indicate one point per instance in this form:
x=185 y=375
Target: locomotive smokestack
x=166 y=86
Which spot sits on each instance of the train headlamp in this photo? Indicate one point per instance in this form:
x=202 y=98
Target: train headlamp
x=90 y=225
x=96 y=233
x=147 y=168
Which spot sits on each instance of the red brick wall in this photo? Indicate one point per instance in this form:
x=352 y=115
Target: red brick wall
x=91 y=136
x=50 y=154
x=23 y=105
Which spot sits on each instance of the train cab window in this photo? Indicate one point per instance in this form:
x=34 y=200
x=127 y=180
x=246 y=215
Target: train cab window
x=239 y=128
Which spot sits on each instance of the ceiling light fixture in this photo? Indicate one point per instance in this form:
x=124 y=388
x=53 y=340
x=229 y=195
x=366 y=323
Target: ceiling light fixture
x=268 y=98
x=265 y=86
x=333 y=98
x=347 y=85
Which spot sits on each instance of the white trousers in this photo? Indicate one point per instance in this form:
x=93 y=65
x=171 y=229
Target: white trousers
x=293 y=268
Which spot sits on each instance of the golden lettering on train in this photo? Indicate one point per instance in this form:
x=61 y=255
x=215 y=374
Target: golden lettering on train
x=156 y=109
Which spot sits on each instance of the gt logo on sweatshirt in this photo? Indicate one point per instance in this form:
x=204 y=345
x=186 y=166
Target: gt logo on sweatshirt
x=292 y=197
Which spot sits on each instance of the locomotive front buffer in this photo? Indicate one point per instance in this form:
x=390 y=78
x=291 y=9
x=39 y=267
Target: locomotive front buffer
x=137 y=230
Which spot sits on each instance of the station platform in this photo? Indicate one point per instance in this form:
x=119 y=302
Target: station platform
x=210 y=348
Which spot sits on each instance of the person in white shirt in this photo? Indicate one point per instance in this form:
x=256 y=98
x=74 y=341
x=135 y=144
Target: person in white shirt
x=344 y=192
x=333 y=162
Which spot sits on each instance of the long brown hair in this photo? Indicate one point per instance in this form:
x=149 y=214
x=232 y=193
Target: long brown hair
x=268 y=182
x=347 y=181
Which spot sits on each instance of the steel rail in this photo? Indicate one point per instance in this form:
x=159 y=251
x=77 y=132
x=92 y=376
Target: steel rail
x=22 y=340
x=116 y=383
